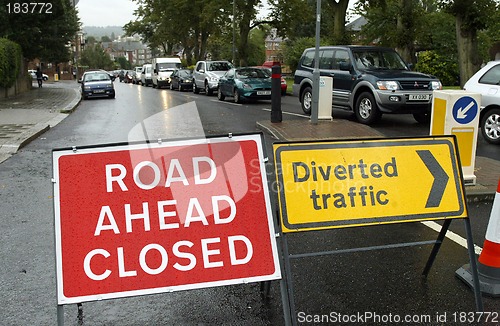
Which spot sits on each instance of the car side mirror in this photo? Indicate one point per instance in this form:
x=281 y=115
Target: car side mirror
x=410 y=66
x=80 y=81
x=201 y=71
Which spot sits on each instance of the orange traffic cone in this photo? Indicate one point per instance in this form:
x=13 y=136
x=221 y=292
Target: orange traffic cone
x=489 y=259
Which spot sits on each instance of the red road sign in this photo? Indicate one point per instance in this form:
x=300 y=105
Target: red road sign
x=160 y=217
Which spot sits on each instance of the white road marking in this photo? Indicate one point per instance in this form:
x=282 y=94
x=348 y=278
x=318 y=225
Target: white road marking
x=452 y=236
x=232 y=103
x=290 y=113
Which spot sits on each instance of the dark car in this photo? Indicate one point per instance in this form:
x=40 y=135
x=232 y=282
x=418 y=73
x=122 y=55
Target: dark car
x=245 y=83
x=97 y=84
x=181 y=79
x=368 y=80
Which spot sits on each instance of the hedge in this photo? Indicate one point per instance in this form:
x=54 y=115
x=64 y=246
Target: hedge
x=10 y=62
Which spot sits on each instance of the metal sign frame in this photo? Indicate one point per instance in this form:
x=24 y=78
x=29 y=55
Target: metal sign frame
x=288 y=288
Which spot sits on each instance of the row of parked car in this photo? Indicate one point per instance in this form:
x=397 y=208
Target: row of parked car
x=243 y=83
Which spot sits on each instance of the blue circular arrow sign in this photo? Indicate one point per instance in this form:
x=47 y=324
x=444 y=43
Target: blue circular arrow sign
x=465 y=110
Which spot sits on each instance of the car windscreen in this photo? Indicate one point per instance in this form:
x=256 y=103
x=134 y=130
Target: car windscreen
x=167 y=66
x=219 y=66
x=96 y=77
x=251 y=73
x=374 y=59
x=185 y=73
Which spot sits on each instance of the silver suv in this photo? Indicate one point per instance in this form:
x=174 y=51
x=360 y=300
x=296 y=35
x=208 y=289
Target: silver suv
x=207 y=73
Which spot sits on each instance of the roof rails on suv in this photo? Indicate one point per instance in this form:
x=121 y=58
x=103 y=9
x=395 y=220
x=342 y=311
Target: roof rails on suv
x=368 y=80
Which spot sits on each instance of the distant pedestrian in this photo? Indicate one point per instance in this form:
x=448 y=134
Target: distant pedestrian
x=39 y=76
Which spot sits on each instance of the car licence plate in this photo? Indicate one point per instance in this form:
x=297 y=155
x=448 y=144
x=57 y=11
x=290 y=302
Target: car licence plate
x=263 y=92
x=99 y=91
x=419 y=97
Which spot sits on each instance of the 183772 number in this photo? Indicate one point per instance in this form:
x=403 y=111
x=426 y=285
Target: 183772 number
x=29 y=8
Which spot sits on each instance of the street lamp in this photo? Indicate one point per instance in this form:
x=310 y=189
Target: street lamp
x=234 y=32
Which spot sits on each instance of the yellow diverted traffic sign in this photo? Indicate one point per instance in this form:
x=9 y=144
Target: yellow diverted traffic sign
x=364 y=182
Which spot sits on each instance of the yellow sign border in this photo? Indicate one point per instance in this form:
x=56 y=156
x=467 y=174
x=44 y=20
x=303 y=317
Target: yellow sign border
x=450 y=141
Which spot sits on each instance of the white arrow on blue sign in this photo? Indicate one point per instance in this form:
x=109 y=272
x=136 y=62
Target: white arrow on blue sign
x=465 y=110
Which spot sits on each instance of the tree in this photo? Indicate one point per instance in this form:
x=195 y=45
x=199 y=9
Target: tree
x=43 y=35
x=296 y=19
x=394 y=23
x=94 y=57
x=123 y=63
x=470 y=18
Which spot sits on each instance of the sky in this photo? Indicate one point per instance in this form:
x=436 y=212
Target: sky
x=106 y=12
x=112 y=12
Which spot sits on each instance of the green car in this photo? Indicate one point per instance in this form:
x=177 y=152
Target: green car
x=245 y=83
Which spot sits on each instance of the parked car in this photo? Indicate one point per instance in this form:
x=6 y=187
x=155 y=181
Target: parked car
x=33 y=75
x=162 y=69
x=207 y=73
x=368 y=80
x=283 y=84
x=97 y=84
x=137 y=76
x=181 y=79
x=247 y=83
x=146 y=74
x=487 y=82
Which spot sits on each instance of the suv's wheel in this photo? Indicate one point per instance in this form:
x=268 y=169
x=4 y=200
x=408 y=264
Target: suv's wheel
x=306 y=100
x=208 y=91
x=196 y=90
x=490 y=126
x=422 y=117
x=366 y=109
x=220 y=96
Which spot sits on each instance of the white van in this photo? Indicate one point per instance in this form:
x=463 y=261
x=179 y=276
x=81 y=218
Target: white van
x=146 y=74
x=162 y=69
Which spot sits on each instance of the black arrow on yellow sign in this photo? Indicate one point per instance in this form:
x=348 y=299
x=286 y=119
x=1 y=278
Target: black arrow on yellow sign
x=440 y=178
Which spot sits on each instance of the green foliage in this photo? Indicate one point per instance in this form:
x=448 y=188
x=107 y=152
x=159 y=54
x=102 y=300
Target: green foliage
x=95 y=58
x=10 y=62
x=292 y=50
x=123 y=63
x=42 y=35
x=443 y=67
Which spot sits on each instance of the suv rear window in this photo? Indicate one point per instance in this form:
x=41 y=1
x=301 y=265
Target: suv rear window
x=308 y=59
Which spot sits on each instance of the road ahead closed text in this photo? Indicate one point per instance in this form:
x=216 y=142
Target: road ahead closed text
x=174 y=217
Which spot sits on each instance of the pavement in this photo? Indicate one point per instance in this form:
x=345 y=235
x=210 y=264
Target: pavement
x=30 y=114
x=25 y=117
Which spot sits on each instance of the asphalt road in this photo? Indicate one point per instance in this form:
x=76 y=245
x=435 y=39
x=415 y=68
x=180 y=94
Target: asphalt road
x=374 y=284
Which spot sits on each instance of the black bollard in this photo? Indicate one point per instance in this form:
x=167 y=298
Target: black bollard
x=276 y=115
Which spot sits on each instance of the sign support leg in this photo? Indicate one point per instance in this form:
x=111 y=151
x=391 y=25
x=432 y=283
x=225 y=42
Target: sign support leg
x=60 y=315
x=436 y=247
x=473 y=266
x=287 y=287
